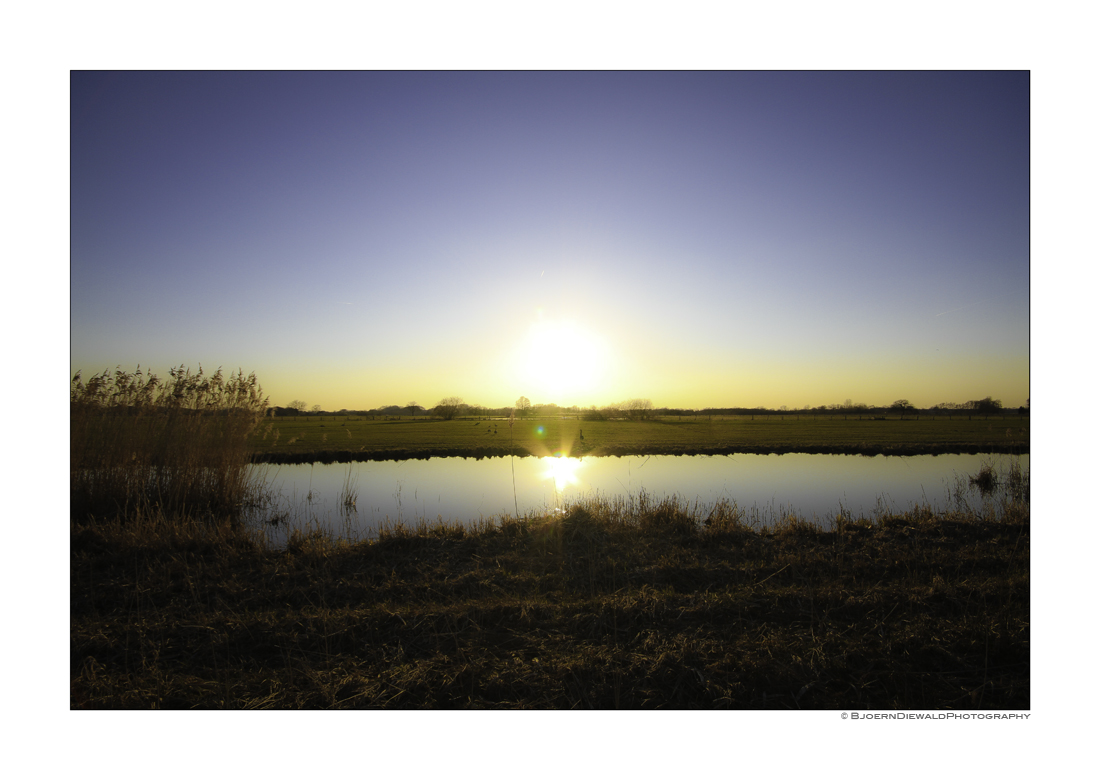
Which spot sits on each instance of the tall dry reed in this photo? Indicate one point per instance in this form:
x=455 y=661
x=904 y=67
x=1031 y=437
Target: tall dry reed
x=179 y=445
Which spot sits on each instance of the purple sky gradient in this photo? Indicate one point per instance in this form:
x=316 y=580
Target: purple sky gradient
x=747 y=238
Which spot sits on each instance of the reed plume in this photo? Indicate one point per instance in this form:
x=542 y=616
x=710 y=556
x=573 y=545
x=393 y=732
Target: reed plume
x=180 y=445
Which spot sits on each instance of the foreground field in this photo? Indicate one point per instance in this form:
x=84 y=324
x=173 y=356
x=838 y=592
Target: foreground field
x=349 y=438
x=632 y=605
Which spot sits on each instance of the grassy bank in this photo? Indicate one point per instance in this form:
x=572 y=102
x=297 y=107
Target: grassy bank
x=348 y=438
x=629 y=605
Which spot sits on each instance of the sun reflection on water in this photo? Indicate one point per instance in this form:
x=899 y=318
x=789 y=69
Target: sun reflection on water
x=561 y=469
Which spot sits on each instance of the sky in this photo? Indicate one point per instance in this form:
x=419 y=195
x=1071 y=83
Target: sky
x=697 y=238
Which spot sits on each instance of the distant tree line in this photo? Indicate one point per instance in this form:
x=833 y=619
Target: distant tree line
x=986 y=407
x=453 y=407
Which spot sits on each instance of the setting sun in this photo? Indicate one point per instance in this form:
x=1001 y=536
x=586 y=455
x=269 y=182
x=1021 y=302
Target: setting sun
x=577 y=239
x=562 y=361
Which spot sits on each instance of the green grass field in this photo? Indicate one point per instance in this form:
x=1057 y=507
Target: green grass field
x=355 y=438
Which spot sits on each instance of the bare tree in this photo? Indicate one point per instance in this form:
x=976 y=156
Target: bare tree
x=523 y=406
x=902 y=406
x=315 y=408
x=296 y=405
x=448 y=407
x=411 y=407
x=638 y=408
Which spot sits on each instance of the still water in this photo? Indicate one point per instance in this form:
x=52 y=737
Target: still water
x=814 y=487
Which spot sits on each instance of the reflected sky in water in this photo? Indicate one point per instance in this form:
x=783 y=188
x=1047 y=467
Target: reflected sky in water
x=469 y=490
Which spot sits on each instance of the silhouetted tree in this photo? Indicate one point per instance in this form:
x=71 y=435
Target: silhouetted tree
x=296 y=405
x=902 y=406
x=523 y=406
x=986 y=406
x=638 y=408
x=448 y=407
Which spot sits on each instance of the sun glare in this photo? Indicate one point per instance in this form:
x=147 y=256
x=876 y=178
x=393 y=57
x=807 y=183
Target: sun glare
x=562 y=470
x=562 y=362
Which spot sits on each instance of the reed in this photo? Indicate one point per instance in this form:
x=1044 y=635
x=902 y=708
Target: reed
x=179 y=446
x=1019 y=482
x=350 y=493
x=512 y=457
x=986 y=479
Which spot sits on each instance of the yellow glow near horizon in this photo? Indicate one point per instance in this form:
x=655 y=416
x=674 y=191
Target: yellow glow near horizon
x=561 y=360
x=573 y=364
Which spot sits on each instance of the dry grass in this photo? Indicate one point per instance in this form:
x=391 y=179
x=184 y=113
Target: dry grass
x=986 y=479
x=611 y=604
